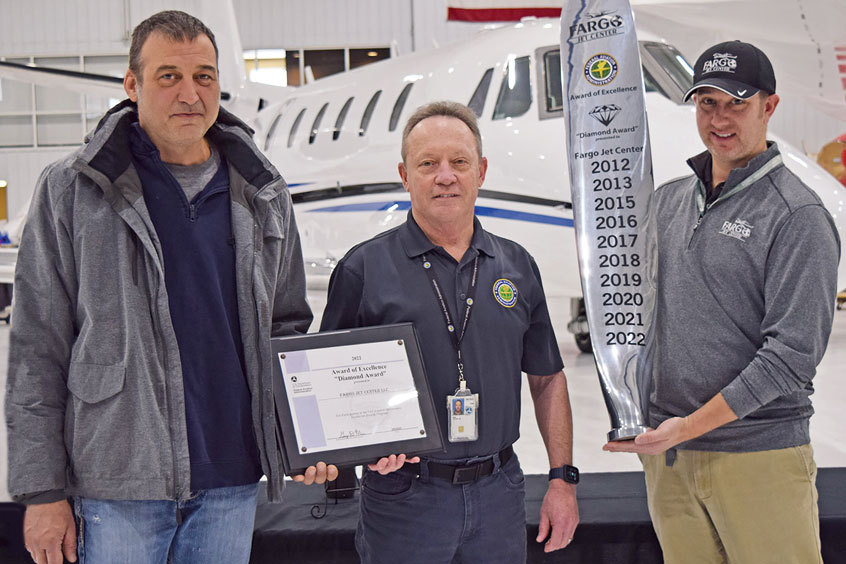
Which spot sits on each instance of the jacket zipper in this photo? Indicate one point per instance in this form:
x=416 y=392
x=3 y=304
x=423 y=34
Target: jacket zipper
x=257 y=241
x=166 y=389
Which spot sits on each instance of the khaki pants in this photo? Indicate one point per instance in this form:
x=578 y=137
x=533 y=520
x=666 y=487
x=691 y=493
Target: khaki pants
x=737 y=508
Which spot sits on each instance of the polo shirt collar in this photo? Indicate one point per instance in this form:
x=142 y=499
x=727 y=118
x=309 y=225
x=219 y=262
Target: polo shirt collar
x=415 y=242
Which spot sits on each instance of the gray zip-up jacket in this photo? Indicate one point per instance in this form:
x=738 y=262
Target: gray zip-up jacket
x=95 y=403
x=745 y=303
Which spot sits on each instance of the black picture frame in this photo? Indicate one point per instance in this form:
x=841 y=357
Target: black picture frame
x=295 y=462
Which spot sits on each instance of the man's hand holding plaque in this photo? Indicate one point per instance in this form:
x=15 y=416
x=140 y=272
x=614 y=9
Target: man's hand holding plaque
x=352 y=397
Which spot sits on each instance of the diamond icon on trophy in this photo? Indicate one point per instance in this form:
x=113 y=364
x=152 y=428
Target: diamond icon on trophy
x=605 y=114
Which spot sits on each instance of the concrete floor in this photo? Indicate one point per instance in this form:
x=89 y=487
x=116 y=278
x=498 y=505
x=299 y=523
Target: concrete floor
x=591 y=419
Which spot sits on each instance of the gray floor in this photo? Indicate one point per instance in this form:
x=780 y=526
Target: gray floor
x=591 y=420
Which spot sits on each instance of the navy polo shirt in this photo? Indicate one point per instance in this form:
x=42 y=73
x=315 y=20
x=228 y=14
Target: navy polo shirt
x=382 y=281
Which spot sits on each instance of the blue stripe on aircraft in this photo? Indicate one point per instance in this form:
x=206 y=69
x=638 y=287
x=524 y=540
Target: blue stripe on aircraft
x=483 y=211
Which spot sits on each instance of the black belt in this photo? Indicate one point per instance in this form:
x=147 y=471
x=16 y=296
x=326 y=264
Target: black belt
x=461 y=474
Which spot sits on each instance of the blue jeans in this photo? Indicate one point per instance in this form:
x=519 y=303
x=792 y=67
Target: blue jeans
x=431 y=521
x=215 y=525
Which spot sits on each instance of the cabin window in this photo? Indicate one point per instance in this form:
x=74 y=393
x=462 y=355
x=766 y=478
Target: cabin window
x=294 y=127
x=271 y=131
x=515 y=92
x=315 y=127
x=395 y=114
x=477 y=100
x=368 y=113
x=552 y=81
x=342 y=115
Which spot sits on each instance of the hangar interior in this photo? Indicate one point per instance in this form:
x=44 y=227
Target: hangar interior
x=38 y=125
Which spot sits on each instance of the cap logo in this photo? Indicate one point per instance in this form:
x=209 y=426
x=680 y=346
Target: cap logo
x=720 y=62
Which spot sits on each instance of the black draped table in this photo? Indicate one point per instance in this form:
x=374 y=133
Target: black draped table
x=614 y=528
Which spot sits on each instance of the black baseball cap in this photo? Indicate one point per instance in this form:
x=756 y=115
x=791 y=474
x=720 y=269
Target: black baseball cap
x=739 y=69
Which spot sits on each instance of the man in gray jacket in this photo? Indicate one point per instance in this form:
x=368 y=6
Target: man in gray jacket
x=747 y=276
x=156 y=263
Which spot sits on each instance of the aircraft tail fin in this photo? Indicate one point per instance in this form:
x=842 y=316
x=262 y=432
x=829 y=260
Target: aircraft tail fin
x=219 y=16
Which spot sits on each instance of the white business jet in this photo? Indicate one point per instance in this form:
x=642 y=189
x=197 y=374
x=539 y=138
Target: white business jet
x=337 y=142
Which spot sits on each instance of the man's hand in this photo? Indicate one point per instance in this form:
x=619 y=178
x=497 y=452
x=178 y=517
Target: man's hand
x=317 y=474
x=560 y=514
x=715 y=413
x=655 y=441
x=49 y=531
x=391 y=463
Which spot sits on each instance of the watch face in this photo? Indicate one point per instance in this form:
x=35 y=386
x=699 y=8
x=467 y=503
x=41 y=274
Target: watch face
x=567 y=473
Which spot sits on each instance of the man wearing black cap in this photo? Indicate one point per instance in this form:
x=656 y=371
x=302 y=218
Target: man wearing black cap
x=747 y=274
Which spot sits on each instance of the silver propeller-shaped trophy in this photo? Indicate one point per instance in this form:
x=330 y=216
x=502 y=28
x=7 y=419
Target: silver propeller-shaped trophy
x=611 y=180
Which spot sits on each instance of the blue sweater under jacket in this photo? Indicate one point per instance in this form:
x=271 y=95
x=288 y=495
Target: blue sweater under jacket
x=199 y=264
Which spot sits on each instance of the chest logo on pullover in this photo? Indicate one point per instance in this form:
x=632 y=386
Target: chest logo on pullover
x=739 y=229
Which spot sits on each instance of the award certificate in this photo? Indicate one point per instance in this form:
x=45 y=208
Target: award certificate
x=351 y=395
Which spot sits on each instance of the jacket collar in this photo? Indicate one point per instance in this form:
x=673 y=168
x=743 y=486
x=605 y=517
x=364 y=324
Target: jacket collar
x=415 y=242
x=107 y=150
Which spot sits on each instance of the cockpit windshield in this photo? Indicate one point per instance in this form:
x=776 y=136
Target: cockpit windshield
x=674 y=66
x=665 y=71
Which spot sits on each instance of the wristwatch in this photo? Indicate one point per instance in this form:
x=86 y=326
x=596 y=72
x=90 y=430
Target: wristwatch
x=569 y=474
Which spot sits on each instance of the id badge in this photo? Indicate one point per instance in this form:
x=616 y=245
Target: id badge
x=463 y=409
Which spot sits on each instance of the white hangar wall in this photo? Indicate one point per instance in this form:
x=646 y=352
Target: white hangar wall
x=412 y=24
x=78 y=32
x=85 y=27
x=72 y=33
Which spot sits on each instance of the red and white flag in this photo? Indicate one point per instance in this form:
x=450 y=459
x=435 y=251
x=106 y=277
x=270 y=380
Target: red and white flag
x=502 y=10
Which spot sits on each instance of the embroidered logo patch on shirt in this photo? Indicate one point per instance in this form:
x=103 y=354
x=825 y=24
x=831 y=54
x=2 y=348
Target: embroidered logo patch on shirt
x=505 y=292
x=740 y=229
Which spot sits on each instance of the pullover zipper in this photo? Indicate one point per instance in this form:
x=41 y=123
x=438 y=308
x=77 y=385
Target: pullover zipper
x=749 y=181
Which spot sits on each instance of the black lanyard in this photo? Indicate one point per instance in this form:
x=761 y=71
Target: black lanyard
x=468 y=306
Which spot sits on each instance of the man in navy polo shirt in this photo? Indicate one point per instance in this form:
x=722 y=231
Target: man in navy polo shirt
x=156 y=263
x=479 y=309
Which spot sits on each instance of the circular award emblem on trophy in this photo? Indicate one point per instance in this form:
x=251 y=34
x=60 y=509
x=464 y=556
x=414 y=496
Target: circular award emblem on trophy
x=601 y=69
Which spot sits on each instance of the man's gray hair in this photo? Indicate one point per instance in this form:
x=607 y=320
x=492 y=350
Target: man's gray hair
x=444 y=108
x=173 y=24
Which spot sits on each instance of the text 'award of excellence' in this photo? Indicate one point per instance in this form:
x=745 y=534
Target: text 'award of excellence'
x=610 y=163
x=350 y=397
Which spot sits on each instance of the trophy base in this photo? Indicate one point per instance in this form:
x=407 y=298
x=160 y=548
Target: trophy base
x=626 y=433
